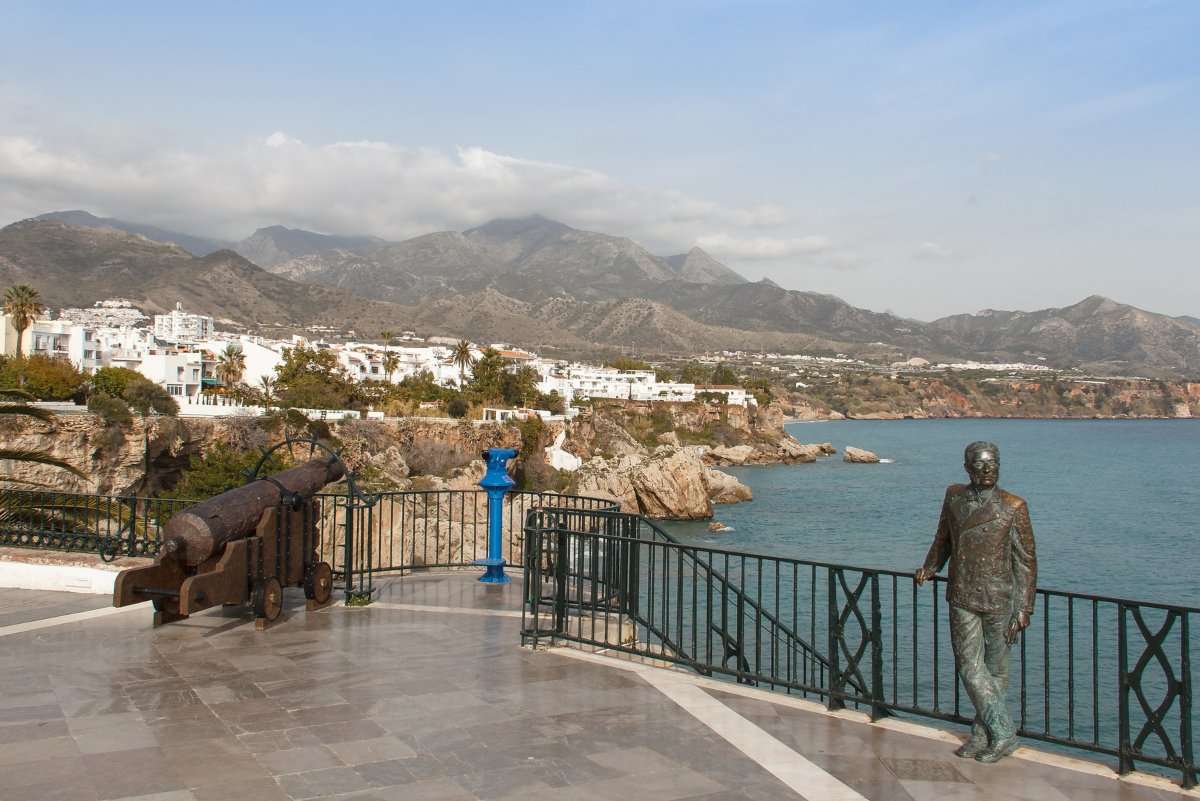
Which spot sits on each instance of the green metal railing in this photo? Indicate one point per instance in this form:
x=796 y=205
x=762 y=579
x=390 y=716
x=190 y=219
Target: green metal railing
x=1102 y=674
x=109 y=525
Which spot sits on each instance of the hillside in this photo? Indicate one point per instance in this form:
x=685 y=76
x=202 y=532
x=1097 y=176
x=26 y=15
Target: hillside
x=544 y=284
x=196 y=245
x=74 y=266
x=1097 y=332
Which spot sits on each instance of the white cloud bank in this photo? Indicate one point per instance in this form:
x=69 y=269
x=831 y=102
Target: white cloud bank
x=376 y=188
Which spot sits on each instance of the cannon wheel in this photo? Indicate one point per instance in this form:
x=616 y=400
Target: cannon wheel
x=268 y=599
x=318 y=584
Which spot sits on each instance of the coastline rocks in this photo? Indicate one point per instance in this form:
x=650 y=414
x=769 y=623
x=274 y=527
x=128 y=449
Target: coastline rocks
x=827 y=449
x=717 y=527
x=738 y=454
x=672 y=483
x=668 y=438
x=724 y=488
x=858 y=456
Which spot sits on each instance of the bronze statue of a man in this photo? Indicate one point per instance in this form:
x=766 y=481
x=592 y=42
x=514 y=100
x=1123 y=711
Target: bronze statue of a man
x=985 y=534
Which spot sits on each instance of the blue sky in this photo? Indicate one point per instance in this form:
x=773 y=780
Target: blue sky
x=926 y=157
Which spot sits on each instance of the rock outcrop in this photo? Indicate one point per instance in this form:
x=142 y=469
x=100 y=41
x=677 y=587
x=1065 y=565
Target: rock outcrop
x=724 y=488
x=858 y=456
x=671 y=483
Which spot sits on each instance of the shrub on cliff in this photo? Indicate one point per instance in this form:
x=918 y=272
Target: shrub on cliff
x=457 y=407
x=111 y=411
x=222 y=468
x=44 y=378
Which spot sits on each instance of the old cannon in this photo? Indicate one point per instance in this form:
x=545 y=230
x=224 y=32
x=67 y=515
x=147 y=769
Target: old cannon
x=243 y=545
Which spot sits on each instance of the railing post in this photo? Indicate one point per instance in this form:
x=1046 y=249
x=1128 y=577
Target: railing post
x=497 y=482
x=877 y=705
x=348 y=549
x=560 y=581
x=1185 y=703
x=1124 y=750
x=132 y=546
x=833 y=701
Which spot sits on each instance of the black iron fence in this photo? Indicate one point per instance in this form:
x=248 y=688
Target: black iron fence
x=110 y=525
x=1102 y=674
x=397 y=532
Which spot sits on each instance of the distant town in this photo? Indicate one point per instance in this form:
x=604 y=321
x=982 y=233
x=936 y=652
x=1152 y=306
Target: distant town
x=216 y=373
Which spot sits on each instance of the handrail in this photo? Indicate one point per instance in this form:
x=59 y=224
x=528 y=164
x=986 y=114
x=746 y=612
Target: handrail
x=1104 y=674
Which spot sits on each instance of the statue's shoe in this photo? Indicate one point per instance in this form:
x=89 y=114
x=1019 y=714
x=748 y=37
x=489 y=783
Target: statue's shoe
x=997 y=751
x=971 y=747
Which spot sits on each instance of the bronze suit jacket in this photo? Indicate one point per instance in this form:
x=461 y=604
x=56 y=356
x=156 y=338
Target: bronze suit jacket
x=993 y=562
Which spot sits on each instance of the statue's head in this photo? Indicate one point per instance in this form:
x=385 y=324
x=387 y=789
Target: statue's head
x=982 y=460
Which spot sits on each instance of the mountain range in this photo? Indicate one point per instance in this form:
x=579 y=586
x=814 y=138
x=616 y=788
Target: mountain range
x=541 y=283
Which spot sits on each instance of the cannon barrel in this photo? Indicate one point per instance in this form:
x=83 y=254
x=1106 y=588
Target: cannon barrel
x=201 y=531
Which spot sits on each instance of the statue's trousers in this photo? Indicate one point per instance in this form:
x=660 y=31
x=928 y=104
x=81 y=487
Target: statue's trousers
x=981 y=655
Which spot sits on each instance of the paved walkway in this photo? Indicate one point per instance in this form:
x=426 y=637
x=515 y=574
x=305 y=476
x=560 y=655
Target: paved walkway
x=426 y=695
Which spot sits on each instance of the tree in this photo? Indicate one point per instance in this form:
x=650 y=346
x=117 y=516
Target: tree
x=518 y=387
x=487 y=379
x=462 y=359
x=694 y=373
x=222 y=468
x=42 y=377
x=112 y=381
x=145 y=396
x=457 y=407
x=312 y=378
x=387 y=336
x=231 y=365
x=23 y=304
x=723 y=374
x=391 y=363
x=266 y=391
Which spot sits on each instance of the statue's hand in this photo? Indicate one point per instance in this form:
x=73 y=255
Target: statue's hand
x=923 y=574
x=1019 y=623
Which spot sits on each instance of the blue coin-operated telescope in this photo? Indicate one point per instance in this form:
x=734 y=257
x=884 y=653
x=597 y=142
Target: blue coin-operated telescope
x=497 y=482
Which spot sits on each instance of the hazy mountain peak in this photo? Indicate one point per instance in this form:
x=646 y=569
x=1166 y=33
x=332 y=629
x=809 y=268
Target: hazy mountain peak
x=196 y=245
x=520 y=226
x=701 y=268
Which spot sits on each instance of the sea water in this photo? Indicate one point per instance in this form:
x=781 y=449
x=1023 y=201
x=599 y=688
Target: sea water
x=1115 y=504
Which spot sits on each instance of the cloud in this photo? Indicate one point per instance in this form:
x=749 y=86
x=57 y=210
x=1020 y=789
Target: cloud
x=764 y=247
x=932 y=251
x=371 y=187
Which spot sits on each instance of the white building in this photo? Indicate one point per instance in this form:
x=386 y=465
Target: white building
x=734 y=395
x=180 y=326
x=112 y=313
x=180 y=373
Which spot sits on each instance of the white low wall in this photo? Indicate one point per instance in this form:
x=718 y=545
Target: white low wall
x=62 y=578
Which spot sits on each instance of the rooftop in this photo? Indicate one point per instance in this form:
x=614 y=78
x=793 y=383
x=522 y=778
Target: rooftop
x=426 y=694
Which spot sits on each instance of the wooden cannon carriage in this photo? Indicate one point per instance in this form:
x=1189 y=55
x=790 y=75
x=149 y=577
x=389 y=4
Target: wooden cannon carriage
x=244 y=545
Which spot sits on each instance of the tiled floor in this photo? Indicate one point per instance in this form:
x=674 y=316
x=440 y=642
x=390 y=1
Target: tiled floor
x=392 y=703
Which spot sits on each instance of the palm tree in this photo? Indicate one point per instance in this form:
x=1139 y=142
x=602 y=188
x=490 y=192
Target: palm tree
x=391 y=362
x=462 y=359
x=231 y=364
x=23 y=304
x=266 y=389
x=387 y=336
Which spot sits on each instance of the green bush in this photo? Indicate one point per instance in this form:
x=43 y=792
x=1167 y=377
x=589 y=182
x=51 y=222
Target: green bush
x=144 y=396
x=44 y=378
x=112 y=411
x=457 y=407
x=113 y=381
x=220 y=469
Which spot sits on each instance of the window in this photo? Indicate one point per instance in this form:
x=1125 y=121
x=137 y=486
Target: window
x=174 y=389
